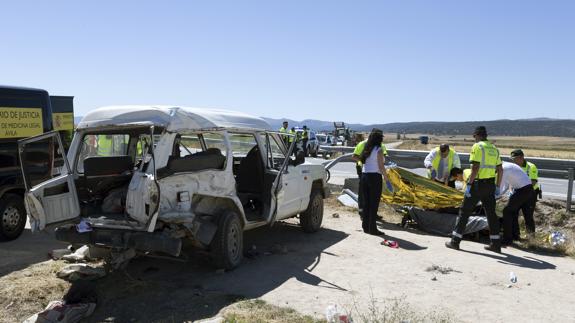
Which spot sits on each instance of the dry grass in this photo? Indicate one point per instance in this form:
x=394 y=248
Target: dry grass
x=397 y=310
x=549 y=147
x=25 y=292
x=255 y=311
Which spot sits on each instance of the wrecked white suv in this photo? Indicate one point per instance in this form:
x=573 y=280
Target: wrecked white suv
x=146 y=178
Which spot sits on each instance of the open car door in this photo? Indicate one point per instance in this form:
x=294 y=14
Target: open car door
x=50 y=196
x=285 y=195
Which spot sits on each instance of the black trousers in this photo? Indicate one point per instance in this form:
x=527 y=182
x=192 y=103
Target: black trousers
x=520 y=200
x=481 y=190
x=359 y=170
x=304 y=146
x=371 y=187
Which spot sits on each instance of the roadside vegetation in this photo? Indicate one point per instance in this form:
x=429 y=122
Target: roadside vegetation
x=548 y=147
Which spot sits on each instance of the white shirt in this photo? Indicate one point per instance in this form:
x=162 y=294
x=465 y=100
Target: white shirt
x=443 y=172
x=513 y=177
x=371 y=165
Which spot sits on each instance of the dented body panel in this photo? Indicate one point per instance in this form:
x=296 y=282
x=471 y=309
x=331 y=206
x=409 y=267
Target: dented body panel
x=183 y=178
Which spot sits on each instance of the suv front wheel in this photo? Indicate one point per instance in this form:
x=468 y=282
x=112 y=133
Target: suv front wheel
x=311 y=218
x=228 y=244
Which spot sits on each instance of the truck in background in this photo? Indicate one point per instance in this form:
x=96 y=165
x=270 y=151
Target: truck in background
x=24 y=112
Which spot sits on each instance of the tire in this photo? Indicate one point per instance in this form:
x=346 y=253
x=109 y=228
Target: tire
x=12 y=217
x=228 y=244
x=310 y=219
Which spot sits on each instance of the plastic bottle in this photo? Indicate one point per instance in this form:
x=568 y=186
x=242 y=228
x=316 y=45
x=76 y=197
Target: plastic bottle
x=512 y=277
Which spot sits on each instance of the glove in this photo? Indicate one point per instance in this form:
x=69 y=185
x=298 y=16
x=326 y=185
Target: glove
x=433 y=173
x=389 y=186
x=468 y=191
x=497 y=191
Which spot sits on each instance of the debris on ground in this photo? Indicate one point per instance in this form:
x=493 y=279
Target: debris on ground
x=390 y=243
x=336 y=314
x=335 y=215
x=512 y=277
x=74 y=272
x=557 y=238
x=434 y=278
x=60 y=312
x=347 y=201
x=441 y=270
x=81 y=254
x=57 y=254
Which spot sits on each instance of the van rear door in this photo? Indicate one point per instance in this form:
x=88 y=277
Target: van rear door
x=51 y=195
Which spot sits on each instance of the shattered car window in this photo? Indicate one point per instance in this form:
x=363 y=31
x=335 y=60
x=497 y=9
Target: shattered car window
x=215 y=140
x=190 y=145
x=102 y=145
x=242 y=143
x=274 y=154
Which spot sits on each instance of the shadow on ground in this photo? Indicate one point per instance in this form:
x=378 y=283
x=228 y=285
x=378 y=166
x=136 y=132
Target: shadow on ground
x=30 y=248
x=168 y=291
x=508 y=259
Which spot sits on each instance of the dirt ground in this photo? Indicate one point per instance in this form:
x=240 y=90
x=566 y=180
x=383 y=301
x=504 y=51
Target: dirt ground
x=307 y=272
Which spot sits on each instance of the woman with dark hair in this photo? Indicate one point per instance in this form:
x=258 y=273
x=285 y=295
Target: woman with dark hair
x=371 y=182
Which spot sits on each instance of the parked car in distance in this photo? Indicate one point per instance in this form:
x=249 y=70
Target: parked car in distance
x=312 y=143
x=324 y=140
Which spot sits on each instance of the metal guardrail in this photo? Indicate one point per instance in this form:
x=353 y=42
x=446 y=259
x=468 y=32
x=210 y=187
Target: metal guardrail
x=548 y=167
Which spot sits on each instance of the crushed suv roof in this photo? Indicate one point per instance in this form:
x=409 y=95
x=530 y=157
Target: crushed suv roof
x=172 y=118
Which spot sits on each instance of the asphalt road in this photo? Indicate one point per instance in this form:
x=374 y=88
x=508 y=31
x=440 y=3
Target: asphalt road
x=552 y=188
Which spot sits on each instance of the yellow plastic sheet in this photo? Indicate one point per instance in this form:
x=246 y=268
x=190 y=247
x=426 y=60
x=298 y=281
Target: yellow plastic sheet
x=413 y=190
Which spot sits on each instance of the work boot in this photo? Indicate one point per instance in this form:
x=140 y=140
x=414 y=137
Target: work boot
x=493 y=246
x=452 y=245
x=377 y=232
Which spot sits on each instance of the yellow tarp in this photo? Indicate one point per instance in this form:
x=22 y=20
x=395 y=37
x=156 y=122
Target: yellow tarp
x=413 y=190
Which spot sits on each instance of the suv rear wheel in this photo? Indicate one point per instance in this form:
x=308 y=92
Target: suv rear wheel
x=12 y=217
x=228 y=244
x=311 y=218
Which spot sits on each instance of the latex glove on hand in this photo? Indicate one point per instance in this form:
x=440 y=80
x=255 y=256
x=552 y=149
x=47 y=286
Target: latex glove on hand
x=389 y=186
x=497 y=191
x=468 y=191
x=433 y=173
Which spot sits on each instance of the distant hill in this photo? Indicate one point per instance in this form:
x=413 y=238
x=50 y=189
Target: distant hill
x=524 y=127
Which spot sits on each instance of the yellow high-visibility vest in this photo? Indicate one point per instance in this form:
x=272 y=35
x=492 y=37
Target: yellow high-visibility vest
x=293 y=134
x=531 y=170
x=105 y=145
x=437 y=159
x=487 y=155
x=361 y=146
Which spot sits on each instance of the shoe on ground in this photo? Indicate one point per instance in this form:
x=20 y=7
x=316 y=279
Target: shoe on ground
x=452 y=245
x=506 y=243
x=377 y=233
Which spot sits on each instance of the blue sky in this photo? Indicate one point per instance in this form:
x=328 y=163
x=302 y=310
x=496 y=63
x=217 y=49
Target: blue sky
x=355 y=61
